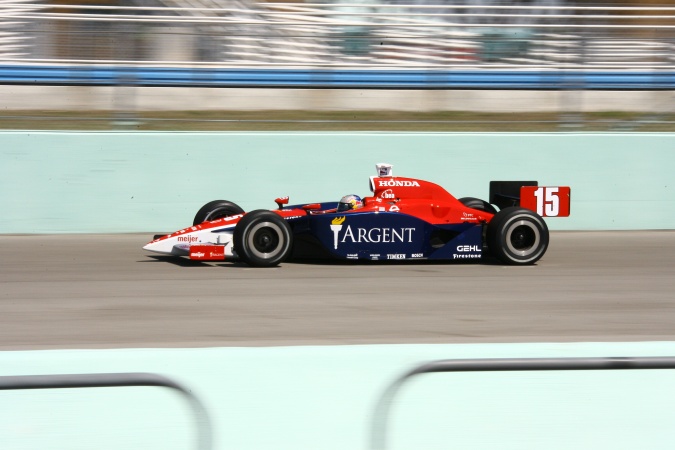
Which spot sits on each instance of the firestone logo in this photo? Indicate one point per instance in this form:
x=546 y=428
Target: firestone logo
x=394 y=183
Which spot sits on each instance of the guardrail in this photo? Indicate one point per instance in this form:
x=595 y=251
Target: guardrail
x=379 y=428
x=317 y=78
x=104 y=380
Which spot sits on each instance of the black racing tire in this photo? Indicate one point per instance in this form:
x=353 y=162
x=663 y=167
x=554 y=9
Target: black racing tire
x=478 y=204
x=262 y=238
x=517 y=236
x=216 y=209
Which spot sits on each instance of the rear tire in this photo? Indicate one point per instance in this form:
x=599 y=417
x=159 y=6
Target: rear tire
x=216 y=209
x=517 y=236
x=478 y=204
x=262 y=238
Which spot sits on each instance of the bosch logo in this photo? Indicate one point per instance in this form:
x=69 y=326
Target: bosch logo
x=394 y=183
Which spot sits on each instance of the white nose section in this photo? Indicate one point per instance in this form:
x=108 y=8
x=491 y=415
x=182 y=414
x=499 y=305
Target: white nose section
x=161 y=246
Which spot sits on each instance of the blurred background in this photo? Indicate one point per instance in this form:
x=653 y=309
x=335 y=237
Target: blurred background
x=428 y=65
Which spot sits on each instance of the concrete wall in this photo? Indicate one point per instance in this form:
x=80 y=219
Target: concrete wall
x=114 y=98
x=323 y=398
x=111 y=182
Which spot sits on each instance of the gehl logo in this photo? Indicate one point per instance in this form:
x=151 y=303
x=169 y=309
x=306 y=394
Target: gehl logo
x=375 y=235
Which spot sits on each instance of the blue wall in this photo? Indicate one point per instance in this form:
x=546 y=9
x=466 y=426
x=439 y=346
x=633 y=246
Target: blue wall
x=336 y=78
x=110 y=182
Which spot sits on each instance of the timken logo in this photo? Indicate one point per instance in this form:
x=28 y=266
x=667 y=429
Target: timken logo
x=393 y=183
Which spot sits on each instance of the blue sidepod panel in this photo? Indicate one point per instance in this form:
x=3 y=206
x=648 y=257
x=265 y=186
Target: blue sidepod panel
x=392 y=236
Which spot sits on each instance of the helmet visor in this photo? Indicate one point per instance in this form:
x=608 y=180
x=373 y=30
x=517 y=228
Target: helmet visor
x=344 y=206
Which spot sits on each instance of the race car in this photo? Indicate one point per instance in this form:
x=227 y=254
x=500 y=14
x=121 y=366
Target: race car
x=403 y=219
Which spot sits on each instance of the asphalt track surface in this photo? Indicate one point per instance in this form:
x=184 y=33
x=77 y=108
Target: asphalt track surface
x=104 y=291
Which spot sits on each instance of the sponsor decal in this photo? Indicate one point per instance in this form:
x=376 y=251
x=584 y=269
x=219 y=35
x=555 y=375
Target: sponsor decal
x=468 y=252
x=187 y=239
x=375 y=257
x=207 y=252
x=469 y=248
x=377 y=235
x=352 y=256
x=394 y=183
x=336 y=226
x=417 y=255
x=468 y=217
x=389 y=194
x=467 y=256
x=396 y=256
x=394 y=208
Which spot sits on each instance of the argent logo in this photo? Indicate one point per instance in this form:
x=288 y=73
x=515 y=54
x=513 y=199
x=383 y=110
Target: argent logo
x=370 y=235
x=336 y=226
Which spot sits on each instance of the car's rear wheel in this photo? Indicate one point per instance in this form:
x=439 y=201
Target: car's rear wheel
x=478 y=204
x=517 y=236
x=262 y=238
x=216 y=209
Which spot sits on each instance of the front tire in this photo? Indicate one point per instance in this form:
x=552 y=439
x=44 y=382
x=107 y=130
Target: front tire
x=216 y=209
x=517 y=236
x=262 y=239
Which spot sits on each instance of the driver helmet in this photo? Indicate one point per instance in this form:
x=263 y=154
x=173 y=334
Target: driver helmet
x=349 y=202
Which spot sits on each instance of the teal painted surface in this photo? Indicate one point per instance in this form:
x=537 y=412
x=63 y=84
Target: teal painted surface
x=61 y=182
x=296 y=398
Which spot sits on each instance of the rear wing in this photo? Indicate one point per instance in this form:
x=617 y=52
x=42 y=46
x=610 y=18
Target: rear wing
x=547 y=201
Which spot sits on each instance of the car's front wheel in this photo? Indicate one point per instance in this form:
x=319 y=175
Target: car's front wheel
x=216 y=209
x=517 y=236
x=262 y=238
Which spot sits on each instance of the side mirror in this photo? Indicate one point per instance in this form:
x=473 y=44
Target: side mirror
x=281 y=201
x=312 y=206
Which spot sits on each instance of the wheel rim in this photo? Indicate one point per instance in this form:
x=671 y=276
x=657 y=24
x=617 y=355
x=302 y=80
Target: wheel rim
x=265 y=240
x=522 y=238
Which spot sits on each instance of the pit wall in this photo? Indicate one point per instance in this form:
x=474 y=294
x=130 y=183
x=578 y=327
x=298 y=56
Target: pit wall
x=118 y=182
x=325 y=398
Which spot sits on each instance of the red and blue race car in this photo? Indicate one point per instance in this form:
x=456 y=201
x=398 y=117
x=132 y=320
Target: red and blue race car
x=403 y=219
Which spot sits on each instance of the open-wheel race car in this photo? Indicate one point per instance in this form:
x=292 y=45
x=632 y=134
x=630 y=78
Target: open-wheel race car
x=403 y=219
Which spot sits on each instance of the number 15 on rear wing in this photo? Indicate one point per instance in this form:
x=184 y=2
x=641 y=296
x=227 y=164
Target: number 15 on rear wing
x=547 y=201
